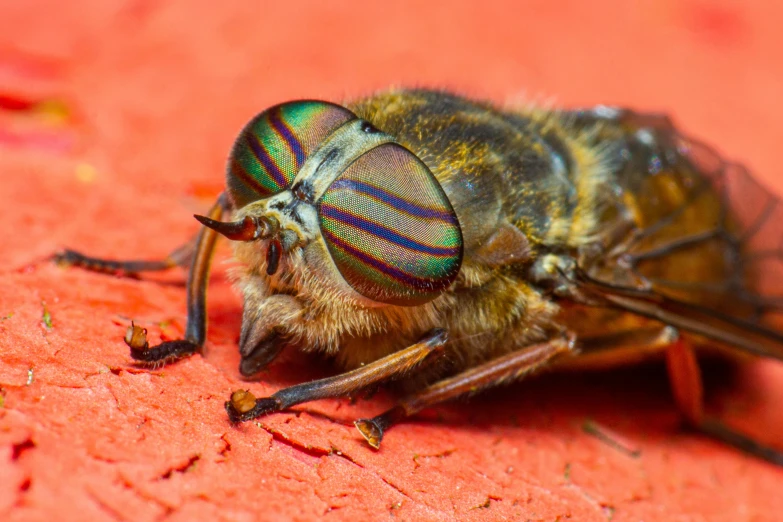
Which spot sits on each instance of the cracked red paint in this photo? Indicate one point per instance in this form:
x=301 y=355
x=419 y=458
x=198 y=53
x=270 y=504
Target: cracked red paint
x=161 y=89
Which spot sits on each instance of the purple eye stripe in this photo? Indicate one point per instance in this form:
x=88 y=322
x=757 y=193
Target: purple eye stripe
x=282 y=129
x=239 y=171
x=396 y=273
x=268 y=163
x=395 y=201
x=386 y=233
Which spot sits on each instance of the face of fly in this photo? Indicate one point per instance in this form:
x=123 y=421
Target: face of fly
x=336 y=224
x=295 y=209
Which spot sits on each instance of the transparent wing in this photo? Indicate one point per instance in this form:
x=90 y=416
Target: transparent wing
x=698 y=242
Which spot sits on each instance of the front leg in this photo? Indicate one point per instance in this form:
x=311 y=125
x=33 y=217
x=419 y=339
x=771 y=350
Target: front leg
x=244 y=407
x=196 y=327
x=197 y=253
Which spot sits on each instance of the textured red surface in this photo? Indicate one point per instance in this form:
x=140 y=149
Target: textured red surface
x=115 y=119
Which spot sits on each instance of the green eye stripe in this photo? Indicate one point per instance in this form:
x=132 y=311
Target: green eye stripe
x=271 y=149
x=376 y=272
x=390 y=228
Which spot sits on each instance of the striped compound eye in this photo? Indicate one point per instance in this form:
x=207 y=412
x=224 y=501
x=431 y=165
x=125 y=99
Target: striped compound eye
x=390 y=228
x=271 y=149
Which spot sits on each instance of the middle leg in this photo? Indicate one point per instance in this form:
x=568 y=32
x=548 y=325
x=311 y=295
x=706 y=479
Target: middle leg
x=493 y=373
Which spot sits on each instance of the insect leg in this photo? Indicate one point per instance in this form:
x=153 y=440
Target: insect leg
x=196 y=254
x=685 y=378
x=244 y=407
x=493 y=373
x=686 y=384
x=196 y=327
x=180 y=256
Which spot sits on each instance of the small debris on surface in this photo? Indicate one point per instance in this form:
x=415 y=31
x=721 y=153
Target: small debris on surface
x=46 y=318
x=611 y=438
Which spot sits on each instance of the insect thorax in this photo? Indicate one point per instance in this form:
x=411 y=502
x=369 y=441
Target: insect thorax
x=518 y=172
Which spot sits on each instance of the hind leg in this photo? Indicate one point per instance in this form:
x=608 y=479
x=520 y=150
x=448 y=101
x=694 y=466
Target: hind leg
x=686 y=384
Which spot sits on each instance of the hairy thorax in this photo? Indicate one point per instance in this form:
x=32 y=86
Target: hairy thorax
x=516 y=197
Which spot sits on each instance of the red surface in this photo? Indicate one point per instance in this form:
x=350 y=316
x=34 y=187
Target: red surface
x=115 y=119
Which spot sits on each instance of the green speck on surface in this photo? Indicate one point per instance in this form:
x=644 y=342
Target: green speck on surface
x=47 y=317
x=7 y=316
x=608 y=511
x=30 y=376
x=2 y=398
x=567 y=471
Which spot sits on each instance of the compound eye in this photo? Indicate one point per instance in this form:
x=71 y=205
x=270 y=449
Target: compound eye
x=272 y=147
x=390 y=228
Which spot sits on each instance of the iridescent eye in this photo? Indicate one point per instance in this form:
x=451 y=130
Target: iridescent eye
x=391 y=229
x=271 y=149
